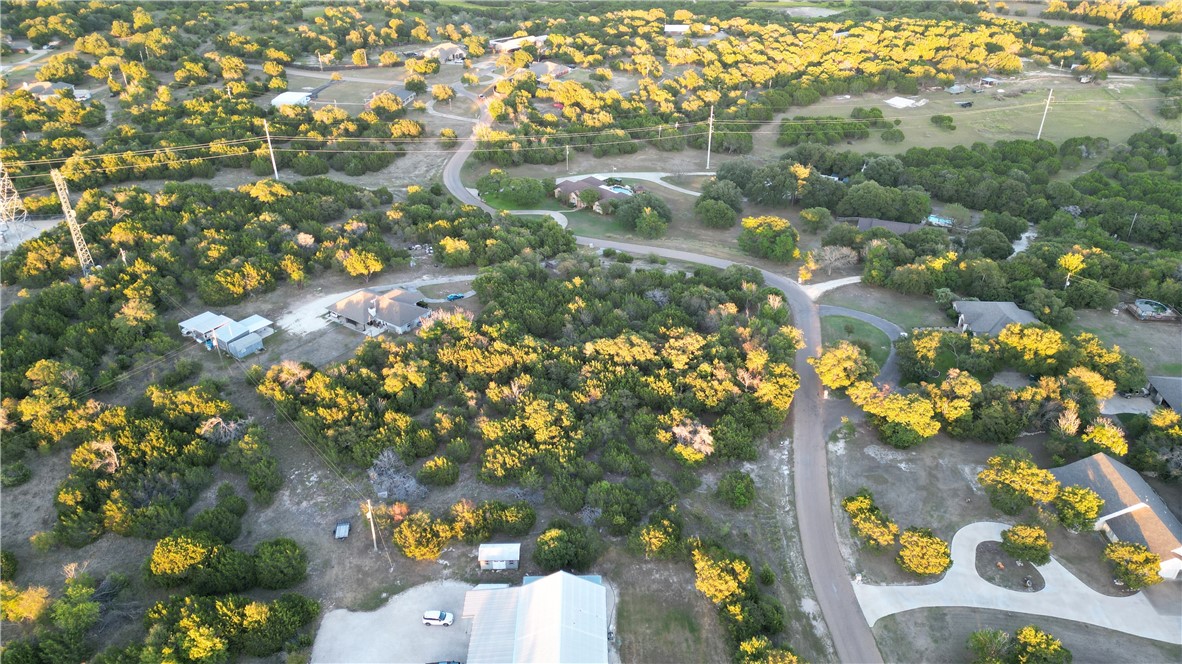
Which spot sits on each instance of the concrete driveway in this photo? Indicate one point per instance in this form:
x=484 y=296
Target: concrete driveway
x=1064 y=596
x=1118 y=405
x=395 y=632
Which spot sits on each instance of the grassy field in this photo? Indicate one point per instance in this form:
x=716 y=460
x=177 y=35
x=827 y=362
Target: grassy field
x=903 y=310
x=1112 y=109
x=839 y=328
x=1157 y=345
x=443 y=290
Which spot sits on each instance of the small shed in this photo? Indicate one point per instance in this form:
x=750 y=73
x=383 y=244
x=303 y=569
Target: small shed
x=956 y=89
x=499 y=556
x=291 y=98
x=247 y=344
x=342 y=530
x=989 y=81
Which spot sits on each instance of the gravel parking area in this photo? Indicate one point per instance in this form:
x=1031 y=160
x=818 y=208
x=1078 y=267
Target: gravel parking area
x=395 y=632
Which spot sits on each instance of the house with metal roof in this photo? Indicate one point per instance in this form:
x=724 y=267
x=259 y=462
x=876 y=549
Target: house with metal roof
x=291 y=98
x=1132 y=512
x=1166 y=391
x=45 y=90
x=238 y=338
x=549 y=68
x=200 y=327
x=989 y=317
x=557 y=619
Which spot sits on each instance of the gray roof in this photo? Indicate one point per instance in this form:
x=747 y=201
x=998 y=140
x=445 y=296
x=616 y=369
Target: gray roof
x=255 y=322
x=1170 y=389
x=569 y=187
x=560 y=619
x=548 y=68
x=392 y=308
x=1121 y=487
x=355 y=306
x=991 y=317
x=46 y=87
x=502 y=551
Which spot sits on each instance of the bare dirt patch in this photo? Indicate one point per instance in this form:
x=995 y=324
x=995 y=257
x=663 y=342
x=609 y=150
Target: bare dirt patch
x=1004 y=571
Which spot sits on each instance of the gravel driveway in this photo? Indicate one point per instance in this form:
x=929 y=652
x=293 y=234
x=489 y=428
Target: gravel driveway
x=395 y=632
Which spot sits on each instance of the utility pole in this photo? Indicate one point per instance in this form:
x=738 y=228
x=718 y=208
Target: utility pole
x=63 y=195
x=320 y=59
x=709 y=136
x=364 y=59
x=568 y=159
x=1044 y=114
x=1131 y=225
x=270 y=150
x=372 y=530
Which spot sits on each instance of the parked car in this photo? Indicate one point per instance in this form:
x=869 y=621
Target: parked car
x=455 y=296
x=438 y=618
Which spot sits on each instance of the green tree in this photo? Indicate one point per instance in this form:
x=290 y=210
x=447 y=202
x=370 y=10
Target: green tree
x=564 y=546
x=923 y=553
x=720 y=579
x=421 y=537
x=724 y=191
x=1031 y=645
x=714 y=214
x=1078 y=507
x=63 y=68
x=1135 y=565
x=736 y=488
x=439 y=471
x=842 y=364
x=816 y=219
x=769 y=237
x=1027 y=542
x=650 y=224
x=443 y=92
x=1014 y=482
x=280 y=563
x=868 y=521
x=989 y=646
x=360 y=263
x=8 y=566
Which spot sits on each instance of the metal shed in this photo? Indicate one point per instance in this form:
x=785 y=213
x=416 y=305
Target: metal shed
x=499 y=556
x=245 y=345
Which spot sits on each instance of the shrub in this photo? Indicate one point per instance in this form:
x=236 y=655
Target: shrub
x=439 y=471
x=1027 y=542
x=736 y=488
x=816 y=219
x=766 y=576
x=280 y=563
x=892 y=135
x=565 y=546
x=219 y=522
x=458 y=450
x=1078 y=508
x=715 y=214
x=8 y=566
x=1031 y=644
x=769 y=237
x=421 y=537
x=923 y=553
x=1135 y=565
x=868 y=521
x=14 y=474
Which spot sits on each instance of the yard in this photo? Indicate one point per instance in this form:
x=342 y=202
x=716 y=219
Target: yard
x=844 y=328
x=904 y=310
x=1157 y=345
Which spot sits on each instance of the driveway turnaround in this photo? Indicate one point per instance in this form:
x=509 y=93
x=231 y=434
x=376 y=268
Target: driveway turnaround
x=1064 y=596
x=395 y=632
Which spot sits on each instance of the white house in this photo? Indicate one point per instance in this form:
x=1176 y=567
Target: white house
x=291 y=98
x=238 y=338
x=510 y=44
x=556 y=619
x=45 y=90
x=446 y=52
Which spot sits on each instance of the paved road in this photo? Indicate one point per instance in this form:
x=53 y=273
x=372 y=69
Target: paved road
x=889 y=373
x=1064 y=596
x=818 y=532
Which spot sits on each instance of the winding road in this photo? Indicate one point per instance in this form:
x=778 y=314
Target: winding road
x=831 y=581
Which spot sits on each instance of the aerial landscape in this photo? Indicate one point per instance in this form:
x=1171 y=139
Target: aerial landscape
x=766 y=331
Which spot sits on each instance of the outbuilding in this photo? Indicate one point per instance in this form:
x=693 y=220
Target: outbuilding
x=291 y=98
x=499 y=556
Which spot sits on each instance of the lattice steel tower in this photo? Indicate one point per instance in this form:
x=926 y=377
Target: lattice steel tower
x=63 y=195
x=12 y=209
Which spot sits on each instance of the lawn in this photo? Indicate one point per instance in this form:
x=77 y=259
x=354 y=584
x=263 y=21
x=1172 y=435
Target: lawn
x=443 y=290
x=838 y=328
x=903 y=310
x=1157 y=345
x=652 y=625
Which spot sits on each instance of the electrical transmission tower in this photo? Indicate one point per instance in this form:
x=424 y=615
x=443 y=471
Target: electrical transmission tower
x=12 y=210
x=63 y=195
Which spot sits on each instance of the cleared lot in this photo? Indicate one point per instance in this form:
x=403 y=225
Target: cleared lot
x=395 y=632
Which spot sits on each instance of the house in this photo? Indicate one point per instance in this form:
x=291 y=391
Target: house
x=291 y=98
x=238 y=338
x=200 y=328
x=547 y=68
x=568 y=191
x=405 y=96
x=499 y=556
x=372 y=312
x=610 y=193
x=956 y=89
x=446 y=52
x=1166 y=391
x=1132 y=512
x=558 y=619
x=896 y=227
x=989 y=317
x=510 y=44
x=902 y=102
x=46 y=90
x=989 y=81
x=677 y=28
